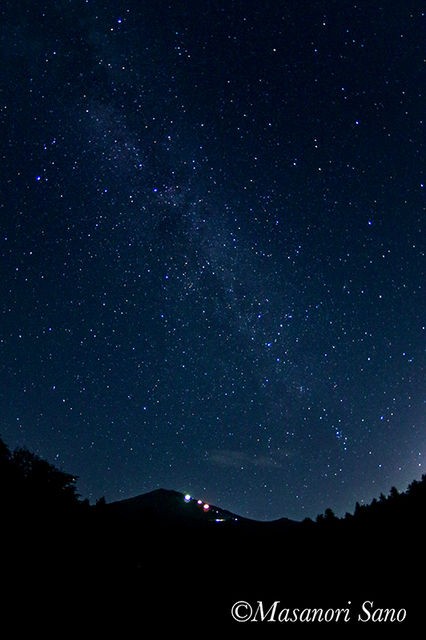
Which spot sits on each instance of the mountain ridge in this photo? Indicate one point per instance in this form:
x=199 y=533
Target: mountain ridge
x=169 y=504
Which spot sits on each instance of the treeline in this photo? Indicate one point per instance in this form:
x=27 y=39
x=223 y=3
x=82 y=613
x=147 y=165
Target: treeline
x=28 y=482
x=395 y=506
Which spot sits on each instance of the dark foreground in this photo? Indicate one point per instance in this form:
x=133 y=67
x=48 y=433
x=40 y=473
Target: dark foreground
x=69 y=569
x=109 y=576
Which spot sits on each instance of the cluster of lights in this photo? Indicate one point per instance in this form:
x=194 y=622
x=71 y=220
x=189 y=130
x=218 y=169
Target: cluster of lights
x=188 y=498
x=205 y=506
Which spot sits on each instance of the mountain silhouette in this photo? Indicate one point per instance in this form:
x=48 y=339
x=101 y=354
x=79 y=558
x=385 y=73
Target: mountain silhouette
x=167 y=505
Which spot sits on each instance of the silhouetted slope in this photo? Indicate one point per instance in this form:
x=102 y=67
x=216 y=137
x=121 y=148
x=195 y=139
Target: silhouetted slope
x=172 y=508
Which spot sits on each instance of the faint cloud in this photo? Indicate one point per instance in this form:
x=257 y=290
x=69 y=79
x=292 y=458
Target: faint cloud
x=239 y=459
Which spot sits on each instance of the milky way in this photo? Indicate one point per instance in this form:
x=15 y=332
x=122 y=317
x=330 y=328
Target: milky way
x=212 y=248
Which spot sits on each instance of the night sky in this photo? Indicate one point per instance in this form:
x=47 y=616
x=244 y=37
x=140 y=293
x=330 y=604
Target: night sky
x=212 y=247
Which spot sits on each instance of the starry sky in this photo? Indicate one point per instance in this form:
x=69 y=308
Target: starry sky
x=212 y=247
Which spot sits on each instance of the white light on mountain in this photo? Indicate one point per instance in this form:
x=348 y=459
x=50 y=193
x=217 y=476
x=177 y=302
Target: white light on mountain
x=187 y=497
x=206 y=507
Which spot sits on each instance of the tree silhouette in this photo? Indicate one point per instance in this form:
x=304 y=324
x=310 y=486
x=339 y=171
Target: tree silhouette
x=29 y=484
x=394 y=494
x=329 y=516
x=42 y=480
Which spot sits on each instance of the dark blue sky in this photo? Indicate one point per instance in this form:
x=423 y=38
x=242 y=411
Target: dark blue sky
x=212 y=247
